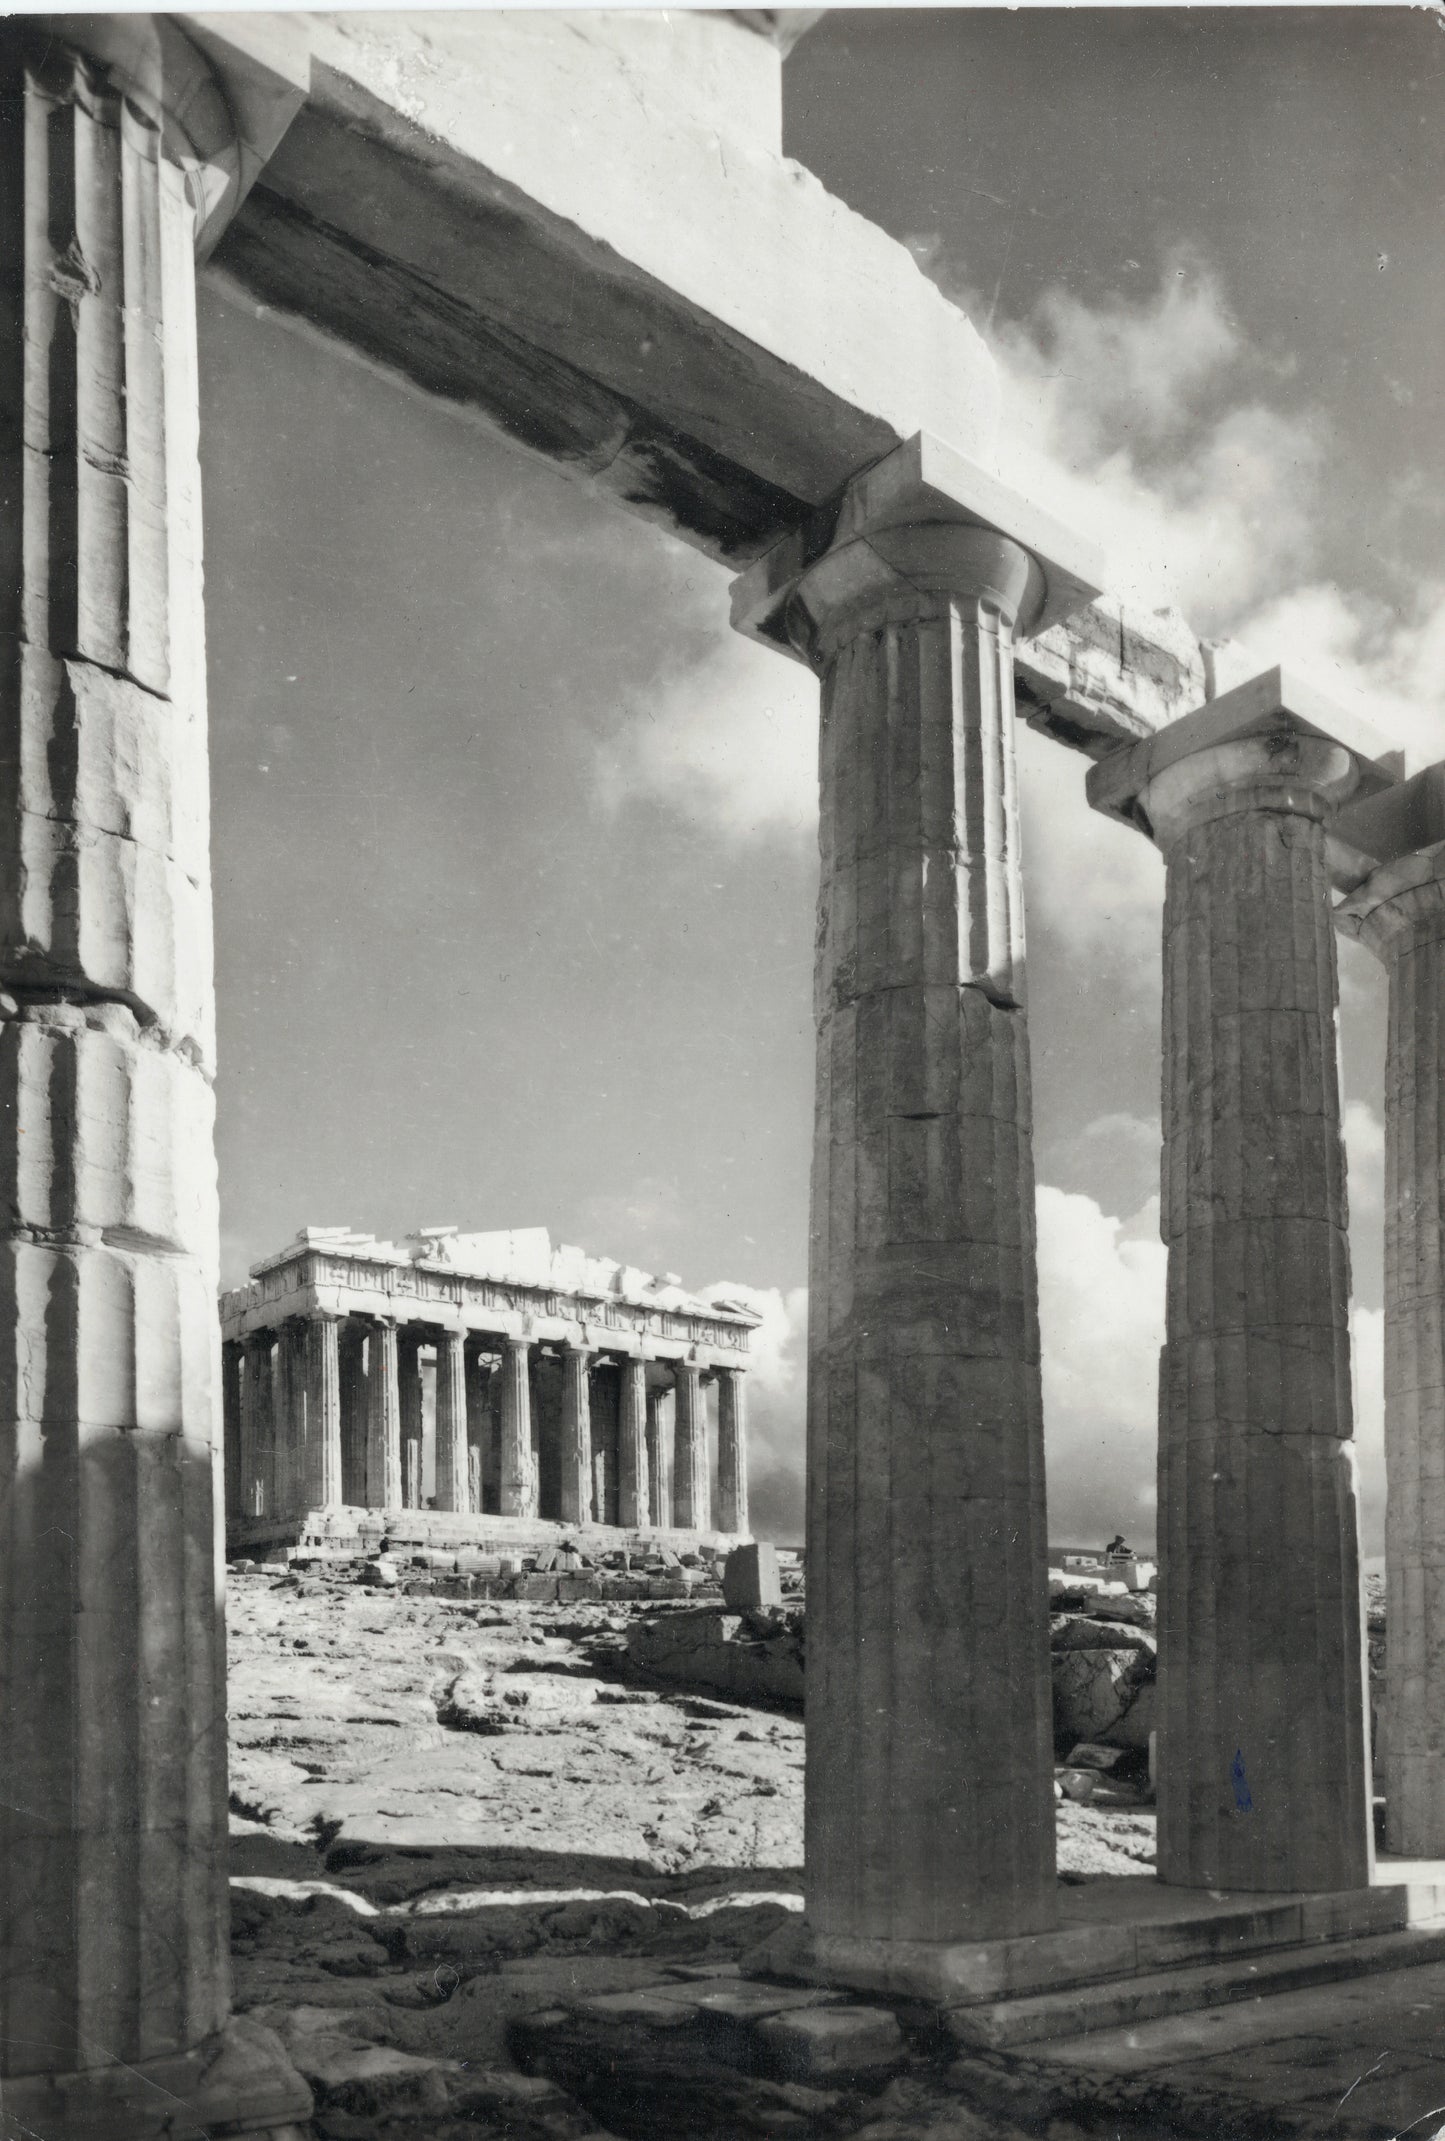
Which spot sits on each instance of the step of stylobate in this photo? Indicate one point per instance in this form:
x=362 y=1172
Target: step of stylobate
x=1076 y=2011
x=1112 y=1928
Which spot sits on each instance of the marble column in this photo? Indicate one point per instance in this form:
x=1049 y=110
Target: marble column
x=576 y=1435
x=289 y=1398
x=260 y=1413
x=632 y=1499
x=114 y=1975
x=519 y=1473
x=479 y=1428
x=659 y=1456
x=408 y=1370
x=1262 y=1763
x=383 y=1427
x=929 y=1780
x=732 y=1451
x=690 y=1497
x=232 y=1358
x=453 y=1483
x=323 y=1413
x=1400 y=914
x=355 y=1411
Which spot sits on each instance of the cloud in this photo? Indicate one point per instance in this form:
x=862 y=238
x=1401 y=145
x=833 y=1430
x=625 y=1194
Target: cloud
x=1101 y=1310
x=730 y=743
x=1367 y=1333
x=1386 y=661
x=637 y=1219
x=1136 y=420
x=1364 y=1133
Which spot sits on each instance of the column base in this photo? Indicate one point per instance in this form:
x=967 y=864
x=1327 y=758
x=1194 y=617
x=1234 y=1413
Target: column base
x=239 y=2085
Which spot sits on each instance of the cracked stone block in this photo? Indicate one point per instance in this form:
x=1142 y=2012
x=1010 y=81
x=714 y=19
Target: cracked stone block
x=813 y=2042
x=1095 y=1690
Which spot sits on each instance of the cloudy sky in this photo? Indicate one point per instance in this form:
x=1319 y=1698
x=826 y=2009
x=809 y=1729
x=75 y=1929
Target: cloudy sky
x=515 y=843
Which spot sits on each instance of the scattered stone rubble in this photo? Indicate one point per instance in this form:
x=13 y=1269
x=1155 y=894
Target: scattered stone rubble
x=458 y=1810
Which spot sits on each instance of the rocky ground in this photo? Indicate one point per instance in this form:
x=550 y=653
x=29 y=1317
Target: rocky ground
x=454 y=1815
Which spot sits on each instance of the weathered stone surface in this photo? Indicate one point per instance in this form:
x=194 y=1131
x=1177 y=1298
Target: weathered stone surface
x=930 y=1789
x=745 y=1656
x=815 y=2043
x=690 y=1488
x=1262 y=1777
x=1400 y=914
x=1097 y=1691
x=750 y=1578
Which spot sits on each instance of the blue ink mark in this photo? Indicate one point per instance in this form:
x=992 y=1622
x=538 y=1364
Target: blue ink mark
x=1240 y=1782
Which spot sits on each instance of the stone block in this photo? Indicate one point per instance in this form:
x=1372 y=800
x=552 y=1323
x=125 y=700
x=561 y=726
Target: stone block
x=750 y=1578
x=814 y=2042
x=1094 y=1690
x=583 y=1585
x=540 y=1590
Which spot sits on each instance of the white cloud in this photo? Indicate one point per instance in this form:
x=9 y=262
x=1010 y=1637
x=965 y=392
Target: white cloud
x=1101 y=1310
x=1365 y=1154
x=1367 y=1332
x=1131 y=420
x=730 y=743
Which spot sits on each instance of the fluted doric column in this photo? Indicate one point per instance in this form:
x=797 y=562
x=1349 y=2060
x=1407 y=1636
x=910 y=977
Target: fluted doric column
x=1399 y=912
x=289 y=1397
x=576 y=1435
x=114 y=1986
x=259 y=1446
x=519 y=1471
x=408 y=1370
x=690 y=1498
x=929 y=1788
x=355 y=1411
x=383 y=1427
x=732 y=1451
x=479 y=1428
x=1262 y=1770
x=323 y=1413
x=632 y=1499
x=232 y=1359
x=453 y=1483
x=659 y=1457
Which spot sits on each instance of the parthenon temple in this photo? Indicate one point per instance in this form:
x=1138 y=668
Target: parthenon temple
x=480 y=1375
x=589 y=239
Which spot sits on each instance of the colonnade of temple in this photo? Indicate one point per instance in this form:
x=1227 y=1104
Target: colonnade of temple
x=326 y=1411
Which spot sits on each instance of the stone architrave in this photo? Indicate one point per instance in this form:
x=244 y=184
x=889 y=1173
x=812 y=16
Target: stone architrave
x=1399 y=912
x=232 y=1359
x=732 y=1452
x=659 y=1455
x=1262 y=1765
x=632 y=1496
x=259 y=1401
x=929 y=1788
x=576 y=1435
x=114 y=1982
x=355 y=1412
x=519 y=1472
x=323 y=1407
x=383 y=1427
x=409 y=1398
x=453 y=1479
x=690 y=1496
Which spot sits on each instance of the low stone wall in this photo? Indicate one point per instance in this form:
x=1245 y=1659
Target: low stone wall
x=348 y=1533
x=749 y=1656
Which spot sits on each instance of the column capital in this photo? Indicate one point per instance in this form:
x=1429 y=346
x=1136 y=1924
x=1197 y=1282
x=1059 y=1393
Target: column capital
x=1400 y=904
x=1273 y=743
x=217 y=99
x=922 y=526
